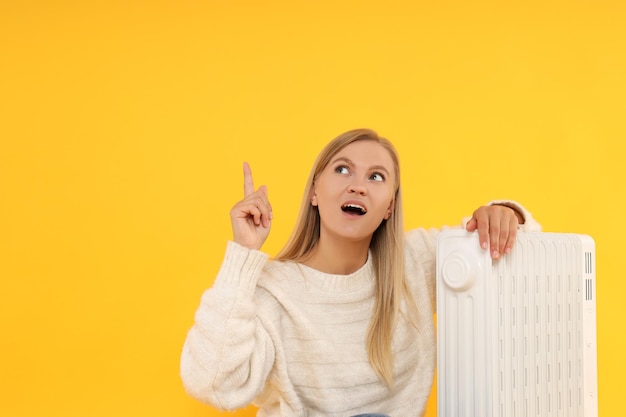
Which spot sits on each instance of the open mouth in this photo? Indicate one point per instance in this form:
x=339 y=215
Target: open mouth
x=354 y=209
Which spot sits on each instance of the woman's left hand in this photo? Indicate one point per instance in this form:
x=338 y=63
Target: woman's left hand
x=497 y=228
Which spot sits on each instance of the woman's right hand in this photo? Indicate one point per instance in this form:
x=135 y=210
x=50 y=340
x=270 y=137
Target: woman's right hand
x=251 y=217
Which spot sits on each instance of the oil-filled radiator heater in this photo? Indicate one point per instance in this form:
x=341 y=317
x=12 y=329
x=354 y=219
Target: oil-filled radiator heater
x=517 y=336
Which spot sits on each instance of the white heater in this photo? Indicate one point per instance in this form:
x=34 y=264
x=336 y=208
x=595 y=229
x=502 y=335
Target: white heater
x=517 y=336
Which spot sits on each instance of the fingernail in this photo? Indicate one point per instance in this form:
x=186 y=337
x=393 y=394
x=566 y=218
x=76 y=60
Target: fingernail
x=483 y=245
x=507 y=250
x=495 y=254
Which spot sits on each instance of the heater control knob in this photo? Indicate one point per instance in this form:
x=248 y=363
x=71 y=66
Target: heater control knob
x=459 y=271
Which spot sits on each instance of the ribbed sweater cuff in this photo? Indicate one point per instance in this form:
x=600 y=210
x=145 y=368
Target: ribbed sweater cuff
x=241 y=267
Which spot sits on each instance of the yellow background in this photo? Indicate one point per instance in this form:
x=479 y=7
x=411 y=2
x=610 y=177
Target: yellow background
x=123 y=126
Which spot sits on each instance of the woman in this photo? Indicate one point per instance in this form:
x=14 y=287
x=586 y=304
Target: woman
x=340 y=322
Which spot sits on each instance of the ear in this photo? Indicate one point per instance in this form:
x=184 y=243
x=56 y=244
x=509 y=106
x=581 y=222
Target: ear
x=389 y=209
x=313 y=197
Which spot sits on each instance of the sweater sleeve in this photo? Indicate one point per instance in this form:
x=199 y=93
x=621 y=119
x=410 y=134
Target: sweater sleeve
x=227 y=354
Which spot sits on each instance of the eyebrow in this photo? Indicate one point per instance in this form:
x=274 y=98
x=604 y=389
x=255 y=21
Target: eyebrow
x=371 y=168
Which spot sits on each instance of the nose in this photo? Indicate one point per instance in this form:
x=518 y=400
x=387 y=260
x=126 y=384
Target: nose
x=357 y=188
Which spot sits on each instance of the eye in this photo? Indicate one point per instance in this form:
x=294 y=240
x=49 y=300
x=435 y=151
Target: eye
x=377 y=176
x=342 y=169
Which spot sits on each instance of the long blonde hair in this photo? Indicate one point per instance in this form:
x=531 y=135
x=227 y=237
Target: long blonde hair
x=386 y=246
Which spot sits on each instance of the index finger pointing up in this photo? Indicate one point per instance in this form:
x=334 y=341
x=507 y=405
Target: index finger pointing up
x=248 y=183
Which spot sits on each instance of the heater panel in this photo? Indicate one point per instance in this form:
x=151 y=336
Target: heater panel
x=517 y=336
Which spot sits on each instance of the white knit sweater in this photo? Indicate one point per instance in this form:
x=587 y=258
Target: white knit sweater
x=291 y=339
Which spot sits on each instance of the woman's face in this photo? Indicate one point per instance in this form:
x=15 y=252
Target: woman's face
x=355 y=192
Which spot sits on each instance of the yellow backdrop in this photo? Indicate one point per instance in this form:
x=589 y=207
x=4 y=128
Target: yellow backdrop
x=123 y=126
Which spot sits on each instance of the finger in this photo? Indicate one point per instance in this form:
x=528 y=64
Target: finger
x=470 y=226
x=512 y=235
x=246 y=208
x=494 y=240
x=265 y=206
x=248 y=183
x=505 y=223
x=255 y=214
x=253 y=210
x=257 y=207
x=482 y=224
x=504 y=235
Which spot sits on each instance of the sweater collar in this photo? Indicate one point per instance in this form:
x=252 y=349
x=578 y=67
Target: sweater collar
x=362 y=278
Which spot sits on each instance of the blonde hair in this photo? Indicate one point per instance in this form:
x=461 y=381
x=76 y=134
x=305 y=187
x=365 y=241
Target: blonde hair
x=386 y=246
